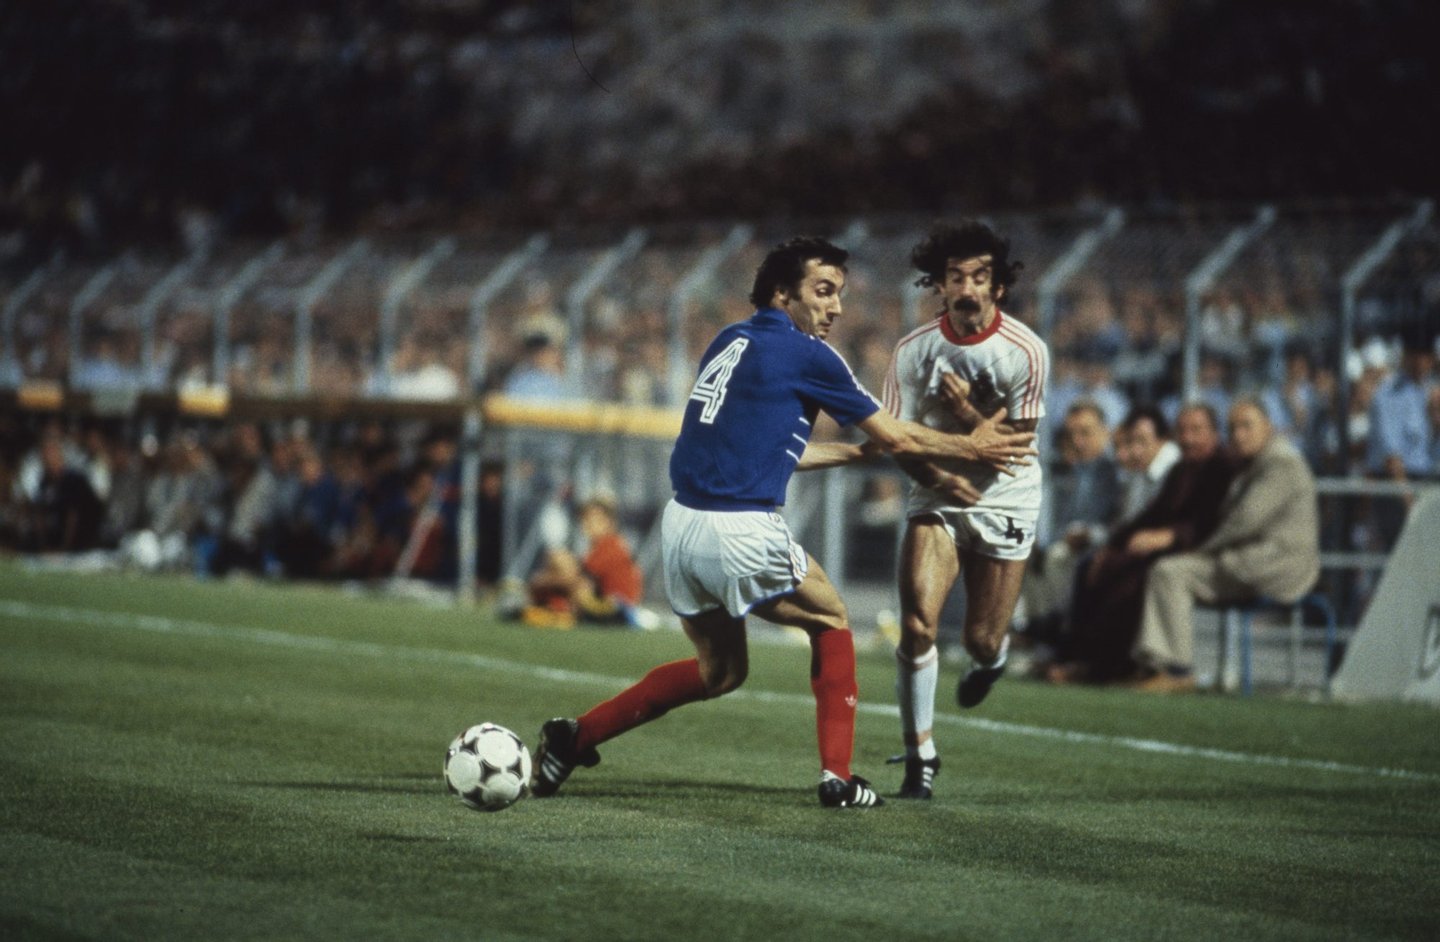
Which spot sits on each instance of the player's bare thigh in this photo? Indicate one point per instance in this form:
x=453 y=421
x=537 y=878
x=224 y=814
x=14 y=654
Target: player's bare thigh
x=929 y=564
x=992 y=587
x=814 y=606
x=720 y=648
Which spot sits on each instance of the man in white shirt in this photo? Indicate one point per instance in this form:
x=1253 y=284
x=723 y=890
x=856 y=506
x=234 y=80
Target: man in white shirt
x=1146 y=454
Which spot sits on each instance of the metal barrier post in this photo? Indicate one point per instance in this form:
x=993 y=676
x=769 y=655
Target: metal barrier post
x=1068 y=265
x=305 y=309
x=590 y=282
x=519 y=553
x=83 y=298
x=1203 y=278
x=228 y=297
x=468 y=548
x=149 y=308
x=510 y=509
x=479 y=309
x=1354 y=279
x=400 y=287
x=9 y=353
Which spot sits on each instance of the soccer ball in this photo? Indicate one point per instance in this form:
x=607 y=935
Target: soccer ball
x=488 y=767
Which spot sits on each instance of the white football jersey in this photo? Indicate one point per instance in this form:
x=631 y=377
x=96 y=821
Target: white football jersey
x=1007 y=365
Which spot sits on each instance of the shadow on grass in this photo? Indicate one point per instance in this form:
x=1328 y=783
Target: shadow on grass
x=674 y=788
x=432 y=786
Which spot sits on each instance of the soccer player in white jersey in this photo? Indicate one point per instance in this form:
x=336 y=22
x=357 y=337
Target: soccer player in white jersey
x=727 y=551
x=971 y=361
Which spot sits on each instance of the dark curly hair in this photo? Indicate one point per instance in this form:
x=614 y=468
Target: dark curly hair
x=785 y=265
x=970 y=239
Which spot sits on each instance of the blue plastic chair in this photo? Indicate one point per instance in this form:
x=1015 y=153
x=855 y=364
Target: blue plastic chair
x=1315 y=601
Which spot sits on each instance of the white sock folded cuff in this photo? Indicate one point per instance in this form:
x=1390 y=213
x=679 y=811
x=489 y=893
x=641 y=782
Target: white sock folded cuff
x=1004 y=652
x=921 y=662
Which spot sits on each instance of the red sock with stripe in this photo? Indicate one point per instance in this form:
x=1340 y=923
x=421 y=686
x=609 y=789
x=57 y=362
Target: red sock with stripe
x=664 y=688
x=832 y=679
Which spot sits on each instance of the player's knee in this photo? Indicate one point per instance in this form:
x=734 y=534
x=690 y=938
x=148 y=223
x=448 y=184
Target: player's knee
x=984 y=648
x=817 y=623
x=827 y=614
x=724 y=678
x=917 y=633
x=833 y=621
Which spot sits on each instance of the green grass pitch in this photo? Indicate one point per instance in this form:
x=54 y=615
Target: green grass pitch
x=183 y=760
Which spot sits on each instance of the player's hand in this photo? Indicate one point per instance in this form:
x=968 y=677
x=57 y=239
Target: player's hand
x=1000 y=447
x=957 y=489
x=954 y=389
x=956 y=393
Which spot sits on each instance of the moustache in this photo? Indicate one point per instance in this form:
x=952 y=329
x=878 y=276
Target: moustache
x=967 y=304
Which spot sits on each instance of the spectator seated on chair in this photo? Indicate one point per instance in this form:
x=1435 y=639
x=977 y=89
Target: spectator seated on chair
x=1146 y=454
x=1104 y=616
x=1267 y=544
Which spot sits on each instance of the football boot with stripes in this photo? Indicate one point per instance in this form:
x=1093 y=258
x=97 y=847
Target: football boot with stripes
x=557 y=756
x=836 y=792
x=919 y=776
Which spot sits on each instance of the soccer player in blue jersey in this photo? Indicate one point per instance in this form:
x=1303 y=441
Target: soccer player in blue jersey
x=727 y=551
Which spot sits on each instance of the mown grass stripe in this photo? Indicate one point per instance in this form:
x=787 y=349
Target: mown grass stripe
x=267 y=636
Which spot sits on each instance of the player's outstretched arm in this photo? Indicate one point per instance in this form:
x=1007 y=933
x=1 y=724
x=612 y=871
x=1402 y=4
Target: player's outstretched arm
x=833 y=454
x=987 y=444
x=819 y=455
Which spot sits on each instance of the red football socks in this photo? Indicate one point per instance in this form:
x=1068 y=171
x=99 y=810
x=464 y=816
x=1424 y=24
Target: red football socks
x=832 y=678
x=664 y=688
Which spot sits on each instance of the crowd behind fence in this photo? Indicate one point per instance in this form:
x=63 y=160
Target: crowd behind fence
x=1329 y=315
x=1157 y=303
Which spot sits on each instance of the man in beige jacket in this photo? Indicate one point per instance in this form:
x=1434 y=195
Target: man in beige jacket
x=1267 y=544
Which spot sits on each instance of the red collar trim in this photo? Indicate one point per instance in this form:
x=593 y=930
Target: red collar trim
x=948 y=329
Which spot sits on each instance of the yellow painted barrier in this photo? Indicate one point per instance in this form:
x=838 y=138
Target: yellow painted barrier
x=593 y=418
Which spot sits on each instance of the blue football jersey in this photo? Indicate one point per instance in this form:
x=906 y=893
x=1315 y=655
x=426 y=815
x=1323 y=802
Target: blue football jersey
x=749 y=417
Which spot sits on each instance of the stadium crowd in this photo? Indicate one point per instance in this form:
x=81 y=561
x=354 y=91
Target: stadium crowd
x=274 y=498
x=264 y=499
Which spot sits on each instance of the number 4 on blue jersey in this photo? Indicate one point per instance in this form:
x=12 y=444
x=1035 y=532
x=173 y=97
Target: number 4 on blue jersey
x=710 y=386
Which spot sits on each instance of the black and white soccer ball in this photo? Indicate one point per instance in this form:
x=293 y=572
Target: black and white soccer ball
x=488 y=767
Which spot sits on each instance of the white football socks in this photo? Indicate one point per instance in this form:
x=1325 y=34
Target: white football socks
x=915 y=681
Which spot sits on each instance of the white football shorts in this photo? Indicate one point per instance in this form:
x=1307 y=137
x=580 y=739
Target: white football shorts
x=985 y=532
x=727 y=559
